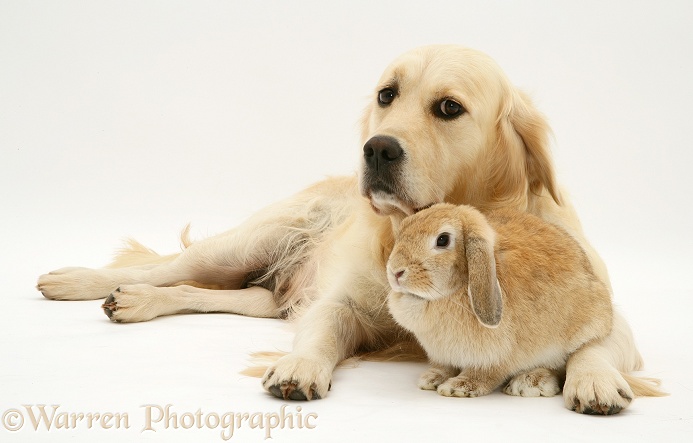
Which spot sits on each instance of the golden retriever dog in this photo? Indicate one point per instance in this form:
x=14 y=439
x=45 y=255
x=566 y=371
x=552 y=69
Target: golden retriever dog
x=444 y=125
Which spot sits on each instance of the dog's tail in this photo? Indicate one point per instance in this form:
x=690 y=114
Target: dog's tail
x=644 y=386
x=406 y=350
x=260 y=362
x=135 y=253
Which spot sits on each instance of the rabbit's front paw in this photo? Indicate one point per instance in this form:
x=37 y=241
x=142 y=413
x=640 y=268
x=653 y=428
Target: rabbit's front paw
x=539 y=382
x=434 y=377
x=464 y=386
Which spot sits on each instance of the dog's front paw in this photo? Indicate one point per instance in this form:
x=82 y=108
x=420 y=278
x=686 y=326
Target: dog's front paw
x=294 y=377
x=604 y=392
x=464 y=386
x=75 y=284
x=539 y=382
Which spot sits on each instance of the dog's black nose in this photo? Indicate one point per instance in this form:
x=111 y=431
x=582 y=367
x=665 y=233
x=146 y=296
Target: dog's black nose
x=381 y=152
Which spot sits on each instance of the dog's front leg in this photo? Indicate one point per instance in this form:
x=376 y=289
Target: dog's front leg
x=328 y=332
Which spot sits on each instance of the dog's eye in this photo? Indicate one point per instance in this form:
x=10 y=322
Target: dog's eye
x=449 y=109
x=386 y=96
x=443 y=240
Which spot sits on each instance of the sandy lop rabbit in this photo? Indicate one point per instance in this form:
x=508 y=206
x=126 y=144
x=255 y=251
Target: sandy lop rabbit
x=495 y=298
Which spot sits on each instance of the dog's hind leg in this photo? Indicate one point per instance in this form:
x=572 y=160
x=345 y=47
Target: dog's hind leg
x=86 y=283
x=226 y=260
x=134 y=303
x=272 y=245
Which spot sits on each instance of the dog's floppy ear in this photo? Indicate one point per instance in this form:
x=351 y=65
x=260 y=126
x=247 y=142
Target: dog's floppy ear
x=483 y=288
x=520 y=118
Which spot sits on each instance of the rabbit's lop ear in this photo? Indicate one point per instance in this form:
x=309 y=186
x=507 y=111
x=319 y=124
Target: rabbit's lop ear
x=484 y=290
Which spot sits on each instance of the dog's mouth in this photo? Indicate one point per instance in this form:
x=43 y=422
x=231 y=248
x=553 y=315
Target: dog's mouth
x=388 y=204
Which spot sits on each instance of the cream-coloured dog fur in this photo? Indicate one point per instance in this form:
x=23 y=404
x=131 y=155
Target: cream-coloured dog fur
x=444 y=125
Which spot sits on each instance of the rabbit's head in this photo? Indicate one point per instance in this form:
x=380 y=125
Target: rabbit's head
x=443 y=250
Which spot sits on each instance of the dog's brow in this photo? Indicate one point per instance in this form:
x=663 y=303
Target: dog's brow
x=453 y=94
x=392 y=83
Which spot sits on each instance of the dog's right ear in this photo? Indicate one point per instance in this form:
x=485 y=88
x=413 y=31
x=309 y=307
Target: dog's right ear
x=483 y=288
x=534 y=131
x=522 y=158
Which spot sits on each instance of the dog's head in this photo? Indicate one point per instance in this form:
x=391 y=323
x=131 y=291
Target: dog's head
x=445 y=125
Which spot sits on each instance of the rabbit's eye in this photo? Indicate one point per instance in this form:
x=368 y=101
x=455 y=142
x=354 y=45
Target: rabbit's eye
x=443 y=240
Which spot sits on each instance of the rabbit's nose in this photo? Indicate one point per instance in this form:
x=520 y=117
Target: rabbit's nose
x=398 y=275
x=393 y=277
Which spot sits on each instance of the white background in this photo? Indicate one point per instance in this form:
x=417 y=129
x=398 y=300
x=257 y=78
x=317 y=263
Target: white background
x=133 y=118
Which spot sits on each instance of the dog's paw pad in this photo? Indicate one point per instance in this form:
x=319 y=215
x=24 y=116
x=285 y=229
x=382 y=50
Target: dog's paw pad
x=291 y=391
x=605 y=394
x=296 y=378
x=110 y=306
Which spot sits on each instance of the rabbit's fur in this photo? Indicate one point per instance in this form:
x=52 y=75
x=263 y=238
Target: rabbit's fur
x=495 y=298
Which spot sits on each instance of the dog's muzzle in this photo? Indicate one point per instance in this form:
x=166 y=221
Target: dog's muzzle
x=382 y=183
x=383 y=158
